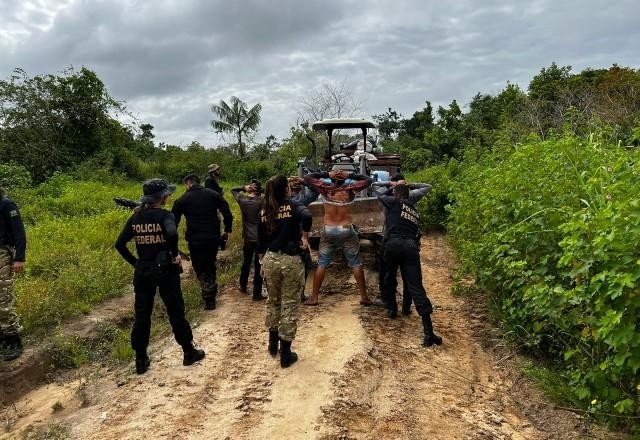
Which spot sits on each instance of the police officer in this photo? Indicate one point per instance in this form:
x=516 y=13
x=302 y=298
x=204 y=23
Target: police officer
x=250 y=206
x=416 y=192
x=301 y=193
x=211 y=181
x=402 y=249
x=282 y=234
x=158 y=266
x=200 y=206
x=13 y=245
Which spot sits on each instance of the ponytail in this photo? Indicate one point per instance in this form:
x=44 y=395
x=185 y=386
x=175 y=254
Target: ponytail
x=275 y=194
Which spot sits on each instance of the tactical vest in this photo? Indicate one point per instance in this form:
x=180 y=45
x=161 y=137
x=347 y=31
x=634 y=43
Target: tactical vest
x=149 y=235
x=403 y=221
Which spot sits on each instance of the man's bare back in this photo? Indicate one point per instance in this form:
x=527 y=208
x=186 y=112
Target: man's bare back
x=337 y=197
x=338 y=232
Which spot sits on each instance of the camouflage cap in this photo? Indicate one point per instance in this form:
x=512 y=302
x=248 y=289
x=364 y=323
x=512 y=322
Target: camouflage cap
x=155 y=189
x=213 y=167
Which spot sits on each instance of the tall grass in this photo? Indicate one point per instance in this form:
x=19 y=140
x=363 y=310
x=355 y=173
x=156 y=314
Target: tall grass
x=71 y=264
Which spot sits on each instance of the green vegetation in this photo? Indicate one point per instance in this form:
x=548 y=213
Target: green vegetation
x=552 y=231
x=538 y=191
x=53 y=431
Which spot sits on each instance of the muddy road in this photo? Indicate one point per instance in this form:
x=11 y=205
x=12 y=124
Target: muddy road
x=360 y=376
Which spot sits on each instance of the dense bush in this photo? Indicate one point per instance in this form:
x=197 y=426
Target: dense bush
x=552 y=230
x=433 y=208
x=14 y=176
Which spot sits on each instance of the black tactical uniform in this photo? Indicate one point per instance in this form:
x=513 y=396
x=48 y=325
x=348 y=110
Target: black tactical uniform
x=156 y=237
x=211 y=182
x=200 y=206
x=13 y=244
x=402 y=250
x=416 y=192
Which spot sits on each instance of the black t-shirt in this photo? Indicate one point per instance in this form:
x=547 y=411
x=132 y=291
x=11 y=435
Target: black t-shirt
x=250 y=208
x=200 y=206
x=12 y=229
x=402 y=219
x=291 y=217
x=155 y=232
x=211 y=182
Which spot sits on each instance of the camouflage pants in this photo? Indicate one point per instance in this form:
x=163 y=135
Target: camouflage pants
x=9 y=324
x=284 y=277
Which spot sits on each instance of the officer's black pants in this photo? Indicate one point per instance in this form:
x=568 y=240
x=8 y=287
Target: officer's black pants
x=393 y=283
x=405 y=254
x=167 y=282
x=203 y=260
x=250 y=254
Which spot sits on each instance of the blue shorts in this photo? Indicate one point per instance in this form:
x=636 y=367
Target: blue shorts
x=334 y=237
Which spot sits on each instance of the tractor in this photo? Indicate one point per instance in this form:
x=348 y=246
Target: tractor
x=354 y=155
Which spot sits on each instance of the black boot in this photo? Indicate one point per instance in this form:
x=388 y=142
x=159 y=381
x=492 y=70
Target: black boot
x=392 y=312
x=12 y=347
x=406 y=306
x=191 y=354
x=273 y=342
x=3 y=344
x=430 y=338
x=210 y=303
x=287 y=357
x=142 y=362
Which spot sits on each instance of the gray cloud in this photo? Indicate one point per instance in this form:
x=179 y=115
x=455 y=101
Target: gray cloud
x=171 y=60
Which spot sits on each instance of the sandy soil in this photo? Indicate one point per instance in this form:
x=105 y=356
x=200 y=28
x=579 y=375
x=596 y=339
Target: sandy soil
x=360 y=376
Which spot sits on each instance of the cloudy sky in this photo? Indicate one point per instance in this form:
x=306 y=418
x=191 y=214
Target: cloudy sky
x=170 y=60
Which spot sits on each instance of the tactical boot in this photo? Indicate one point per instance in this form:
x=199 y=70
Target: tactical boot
x=191 y=354
x=273 y=342
x=210 y=303
x=12 y=347
x=430 y=338
x=392 y=313
x=287 y=357
x=142 y=362
x=406 y=309
x=3 y=341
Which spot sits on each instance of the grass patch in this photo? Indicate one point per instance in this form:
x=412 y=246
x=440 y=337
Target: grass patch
x=552 y=383
x=53 y=431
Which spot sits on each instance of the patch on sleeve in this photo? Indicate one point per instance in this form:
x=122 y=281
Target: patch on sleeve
x=14 y=213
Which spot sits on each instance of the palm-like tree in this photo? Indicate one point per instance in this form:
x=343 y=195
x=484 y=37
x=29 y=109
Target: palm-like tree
x=237 y=119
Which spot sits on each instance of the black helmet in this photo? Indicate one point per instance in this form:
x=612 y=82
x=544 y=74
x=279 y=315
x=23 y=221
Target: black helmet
x=155 y=189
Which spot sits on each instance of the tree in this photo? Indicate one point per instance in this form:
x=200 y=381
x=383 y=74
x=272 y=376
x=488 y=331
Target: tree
x=235 y=118
x=329 y=100
x=49 y=122
x=421 y=122
x=389 y=124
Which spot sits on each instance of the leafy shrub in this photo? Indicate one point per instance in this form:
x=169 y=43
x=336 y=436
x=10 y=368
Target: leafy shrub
x=14 y=176
x=433 y=207
x=552 y=230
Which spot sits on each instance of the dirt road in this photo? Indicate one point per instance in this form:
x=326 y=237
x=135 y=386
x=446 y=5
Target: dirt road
x=360 y=376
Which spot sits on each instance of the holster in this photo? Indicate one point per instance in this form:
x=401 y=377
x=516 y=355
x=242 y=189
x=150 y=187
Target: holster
x=292 y=248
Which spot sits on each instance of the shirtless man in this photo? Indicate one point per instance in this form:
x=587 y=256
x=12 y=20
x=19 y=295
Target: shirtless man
x=338 y=230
